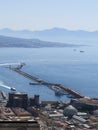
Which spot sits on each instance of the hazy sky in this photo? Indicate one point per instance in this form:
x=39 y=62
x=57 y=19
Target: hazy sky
x=43 y=14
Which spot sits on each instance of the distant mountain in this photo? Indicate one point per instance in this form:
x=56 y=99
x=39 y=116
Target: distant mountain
x=29 y=43
x=54 y=35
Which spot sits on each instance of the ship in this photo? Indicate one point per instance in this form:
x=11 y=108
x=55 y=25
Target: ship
x=58 y=91
x=81 y=51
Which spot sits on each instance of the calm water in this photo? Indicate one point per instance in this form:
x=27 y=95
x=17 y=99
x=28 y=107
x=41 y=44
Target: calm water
x=74 y=69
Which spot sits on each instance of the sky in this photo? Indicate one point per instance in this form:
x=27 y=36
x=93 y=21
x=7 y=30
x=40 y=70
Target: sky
x=46 y=14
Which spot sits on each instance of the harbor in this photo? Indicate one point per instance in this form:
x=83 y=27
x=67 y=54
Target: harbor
x=59 y=89
x=17 y=106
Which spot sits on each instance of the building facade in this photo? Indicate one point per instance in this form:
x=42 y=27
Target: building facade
x=19 y=125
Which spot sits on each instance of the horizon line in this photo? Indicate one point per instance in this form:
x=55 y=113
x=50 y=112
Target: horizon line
x=14 y=29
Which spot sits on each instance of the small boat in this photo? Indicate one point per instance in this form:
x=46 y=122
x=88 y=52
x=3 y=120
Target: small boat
x=74 y=50
x=70 y=96
x=81 y=51
x=34 y=83
x=58 y=91
x=13 y=89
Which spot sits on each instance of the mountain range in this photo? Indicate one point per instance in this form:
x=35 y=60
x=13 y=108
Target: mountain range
x=54 y=35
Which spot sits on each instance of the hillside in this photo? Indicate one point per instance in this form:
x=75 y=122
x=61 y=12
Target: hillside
x=29 y=43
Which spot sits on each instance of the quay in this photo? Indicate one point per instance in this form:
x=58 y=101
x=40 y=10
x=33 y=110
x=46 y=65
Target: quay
x=58 y=88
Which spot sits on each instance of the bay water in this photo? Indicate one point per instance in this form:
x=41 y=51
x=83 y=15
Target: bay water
x=74 y=67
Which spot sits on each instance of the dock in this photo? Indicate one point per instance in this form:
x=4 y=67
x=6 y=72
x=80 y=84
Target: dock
x=57 y=88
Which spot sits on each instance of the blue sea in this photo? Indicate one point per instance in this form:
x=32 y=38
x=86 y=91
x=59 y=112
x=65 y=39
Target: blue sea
x=67 y=66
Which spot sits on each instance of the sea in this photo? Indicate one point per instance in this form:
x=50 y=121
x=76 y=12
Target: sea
x=73 y=67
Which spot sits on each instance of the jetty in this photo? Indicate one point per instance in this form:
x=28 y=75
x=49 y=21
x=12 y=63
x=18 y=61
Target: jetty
x=57 y=88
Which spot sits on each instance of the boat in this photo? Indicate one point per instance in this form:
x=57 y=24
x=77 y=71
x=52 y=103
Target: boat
x=81 y=51
x=58 y=91
x=34 y=83
x=12 y=89
x=74 y=50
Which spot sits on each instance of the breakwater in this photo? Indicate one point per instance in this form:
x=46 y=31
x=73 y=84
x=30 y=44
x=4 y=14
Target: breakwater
x=59 y=89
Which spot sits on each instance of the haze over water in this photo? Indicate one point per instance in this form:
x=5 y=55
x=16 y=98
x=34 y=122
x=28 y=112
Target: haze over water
x=67 y=66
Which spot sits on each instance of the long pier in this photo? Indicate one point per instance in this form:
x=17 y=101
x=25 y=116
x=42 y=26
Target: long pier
x=58 y=88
